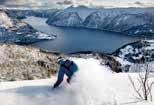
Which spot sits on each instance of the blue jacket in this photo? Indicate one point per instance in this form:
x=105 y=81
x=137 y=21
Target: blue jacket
x=73 y=68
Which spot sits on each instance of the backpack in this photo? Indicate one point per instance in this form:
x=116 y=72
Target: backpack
x=67 y=64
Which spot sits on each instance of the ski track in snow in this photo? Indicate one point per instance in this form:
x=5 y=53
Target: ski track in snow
x=92 y=85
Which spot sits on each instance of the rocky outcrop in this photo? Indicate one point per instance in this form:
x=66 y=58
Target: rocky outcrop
x=25 y=63
x=109 y=61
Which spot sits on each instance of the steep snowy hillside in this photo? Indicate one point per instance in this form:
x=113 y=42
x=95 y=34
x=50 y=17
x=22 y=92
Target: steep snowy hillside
x=94 y=20
x=130 y=21
x=12 y=30
x=136 y=54
x=65 y=19
x=83 y=11
x=131 y=24
x=5 y=21
x=140 y=51
x=91 y=85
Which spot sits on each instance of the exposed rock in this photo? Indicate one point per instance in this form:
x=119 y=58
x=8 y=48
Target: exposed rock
x=109 y=61
x=25 y=63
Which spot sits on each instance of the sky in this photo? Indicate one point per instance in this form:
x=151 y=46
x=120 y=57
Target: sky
x=66 y=3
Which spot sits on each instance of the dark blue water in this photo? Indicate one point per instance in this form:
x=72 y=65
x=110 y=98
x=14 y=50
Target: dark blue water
x=78 y=39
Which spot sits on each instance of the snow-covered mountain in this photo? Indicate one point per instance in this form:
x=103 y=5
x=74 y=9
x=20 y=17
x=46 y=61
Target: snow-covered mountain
x=94 y=20
x=83 y=11
x=71 y=19
x=135 y=55
x=130 y=21
x=13 y=30
x=131 y=24
x=21 y=14
x=5 y=21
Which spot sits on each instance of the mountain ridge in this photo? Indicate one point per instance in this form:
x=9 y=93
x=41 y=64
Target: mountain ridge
x=130 y=21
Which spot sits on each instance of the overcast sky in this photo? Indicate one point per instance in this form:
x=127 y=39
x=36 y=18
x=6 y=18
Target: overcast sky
x=90 y=3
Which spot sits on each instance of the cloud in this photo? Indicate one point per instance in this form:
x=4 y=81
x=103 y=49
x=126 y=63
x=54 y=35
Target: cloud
x=139 y=3
x=20 y=2
x=66 y=2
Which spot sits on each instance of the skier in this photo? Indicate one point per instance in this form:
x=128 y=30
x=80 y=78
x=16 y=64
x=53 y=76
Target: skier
x=67 y=67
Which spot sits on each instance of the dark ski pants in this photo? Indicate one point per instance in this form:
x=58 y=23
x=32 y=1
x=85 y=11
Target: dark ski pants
x=61 y=73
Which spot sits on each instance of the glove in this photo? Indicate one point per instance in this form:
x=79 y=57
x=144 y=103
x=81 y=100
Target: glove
x=68 y=80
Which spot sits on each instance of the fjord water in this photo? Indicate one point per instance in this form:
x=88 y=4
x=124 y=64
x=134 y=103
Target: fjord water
x=70 y=40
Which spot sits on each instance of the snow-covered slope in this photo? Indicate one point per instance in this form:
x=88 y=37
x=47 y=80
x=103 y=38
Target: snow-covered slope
x=131 y=24
x=140 y=51
x=94 y=20
x=13 y=30
x=71 y=19
x=94 y=85
x=5 y=21
x=83 y=11
x=136 y=54
x=130 y=21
